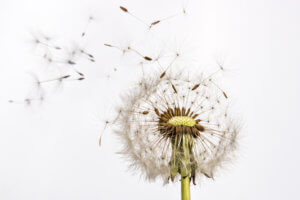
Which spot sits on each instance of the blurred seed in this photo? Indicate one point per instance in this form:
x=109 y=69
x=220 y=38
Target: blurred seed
x=154 y=23
x=81 y=74
x=147 y=58
x=71 y=62
x=66 y=76
x=208 y=176
x=123 y=9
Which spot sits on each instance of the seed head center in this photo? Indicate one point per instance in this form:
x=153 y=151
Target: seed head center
x=182 y=121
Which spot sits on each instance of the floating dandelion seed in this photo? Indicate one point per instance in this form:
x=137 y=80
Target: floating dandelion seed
x=90 y=19
x=129 y=48
x=173 y=126
x=155 y=22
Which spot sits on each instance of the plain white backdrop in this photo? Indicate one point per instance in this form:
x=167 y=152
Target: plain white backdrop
x=51 y=151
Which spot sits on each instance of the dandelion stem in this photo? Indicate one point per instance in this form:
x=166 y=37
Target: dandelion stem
x=185 y=187
x=185 y=169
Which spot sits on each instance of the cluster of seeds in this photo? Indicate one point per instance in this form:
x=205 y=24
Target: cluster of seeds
x=62 y=64
x=173 y=125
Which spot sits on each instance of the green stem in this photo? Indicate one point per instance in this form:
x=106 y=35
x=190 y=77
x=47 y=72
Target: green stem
x=185 y=187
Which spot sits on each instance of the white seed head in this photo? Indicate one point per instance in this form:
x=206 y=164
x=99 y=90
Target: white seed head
x=176 y=125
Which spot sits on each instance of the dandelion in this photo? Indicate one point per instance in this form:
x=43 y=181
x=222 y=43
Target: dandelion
x=175 y=126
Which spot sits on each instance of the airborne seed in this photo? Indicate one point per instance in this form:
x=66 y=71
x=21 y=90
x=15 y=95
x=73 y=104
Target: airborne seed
x=123 y=9
x=147 y=58
x=154 y=23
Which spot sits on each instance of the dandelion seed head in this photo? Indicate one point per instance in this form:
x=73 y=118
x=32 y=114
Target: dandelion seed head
x=176 y=124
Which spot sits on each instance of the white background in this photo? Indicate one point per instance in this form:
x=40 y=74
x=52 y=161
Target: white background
x=51 y=151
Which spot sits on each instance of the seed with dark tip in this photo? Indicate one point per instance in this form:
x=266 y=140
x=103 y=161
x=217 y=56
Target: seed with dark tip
x=147 y=58
x=174 y=88
x=183 y=111
x=200 y=127
x=123 y=9
x=208 y=176
x=66 y=76
x=198 y=120
x=162 y=75
x=196 y=86
x=195 y=115
x=156 y=111
x=71 y=62
x=188 y=111
x=154 y=23
x=81 y=74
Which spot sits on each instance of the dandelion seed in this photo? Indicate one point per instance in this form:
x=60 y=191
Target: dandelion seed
x=147 y=58
x=66 y=76
x=71 y=62
x=108 y=45
x=91 y=18
x=27 y=101
x=164 y=19
x=43 y=40
x=138 y=53
x=163 y=74
x=134 y=16
x=124 y=9
x=81 y=74
x=60 y=79
x=154 y=22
